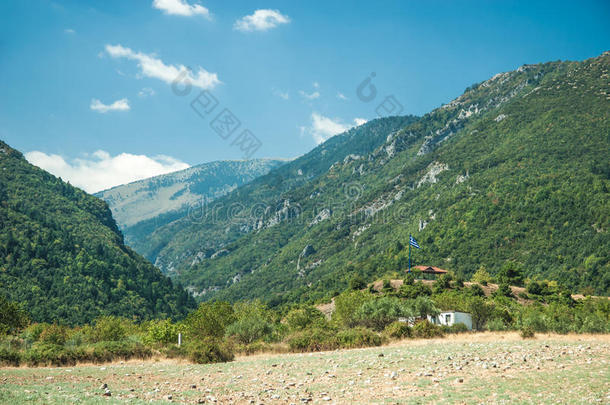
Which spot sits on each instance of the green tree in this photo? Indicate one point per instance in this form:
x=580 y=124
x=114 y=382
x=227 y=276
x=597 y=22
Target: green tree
x=210 y=319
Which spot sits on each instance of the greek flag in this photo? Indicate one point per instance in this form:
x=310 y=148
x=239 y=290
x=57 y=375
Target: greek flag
x=413 y=242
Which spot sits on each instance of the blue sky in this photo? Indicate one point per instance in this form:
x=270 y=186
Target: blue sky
x=85 y=83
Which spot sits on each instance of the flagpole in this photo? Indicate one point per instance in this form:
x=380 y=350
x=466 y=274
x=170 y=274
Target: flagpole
x=409 y=253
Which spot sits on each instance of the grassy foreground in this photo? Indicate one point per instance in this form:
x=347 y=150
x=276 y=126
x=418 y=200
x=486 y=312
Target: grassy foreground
x=466 y=368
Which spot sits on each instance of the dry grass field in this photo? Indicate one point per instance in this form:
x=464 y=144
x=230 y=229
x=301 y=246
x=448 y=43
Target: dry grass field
x=495 y=368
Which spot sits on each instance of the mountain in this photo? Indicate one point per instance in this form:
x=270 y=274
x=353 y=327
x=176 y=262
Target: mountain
x=142 y=206
x=205 y=229
x=62 y=255
x=513 y=173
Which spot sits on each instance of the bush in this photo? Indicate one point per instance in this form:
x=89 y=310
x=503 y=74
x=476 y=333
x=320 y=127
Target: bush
x=357 y=283
x=304 y=317
x=455 y=328
x=113 y=350
x=475 y=290
x=313 y=340
x=247 y=330
x=110 y=329
x=527 y=332
x=503 y=291
x=32 y=333
x=209 y=351
x=379 y=313
x=398 y=330
x=496 y=325
x=9 y=357
x=210 y=320
x=347 y=304
x=357 y=337
x=414 y=290
x=54 y=335
x=427 y=330
x=162 y=331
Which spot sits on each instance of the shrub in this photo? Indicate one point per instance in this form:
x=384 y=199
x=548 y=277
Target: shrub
x=379 y=313
x=347 y=304
x=357 y=283
x=209 y=351
x=110 y=329
x=413 y=291
x=54 y=334
x=480 y=310
x=161 y=331
x=398 y=330
x=210 y=320
x=357 y=337
x=495 y=325
x=427 y=330
x=527 y=332
x=32 y=333
x=455 y=328
x=503 y=291
x=481 y=276
x=442 y=283
x=409 y=279
x=387 y=286
x=475 y=290
x=304 y=317
x=112 y=350
x=9 y=357
x=43 y=354
x=312 y=340
x=247 y=330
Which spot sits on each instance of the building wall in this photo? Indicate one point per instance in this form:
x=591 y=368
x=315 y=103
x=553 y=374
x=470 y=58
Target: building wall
x=451 y=318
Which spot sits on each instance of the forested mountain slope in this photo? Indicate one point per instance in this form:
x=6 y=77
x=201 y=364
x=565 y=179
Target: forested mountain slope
x=62 y=255
x=515 y=172
x=143 y=206
x=207 y=228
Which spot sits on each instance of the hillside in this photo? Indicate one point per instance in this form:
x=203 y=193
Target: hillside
x=143 y=206
x=208 y=228
x=514 y=172
x=62 y=255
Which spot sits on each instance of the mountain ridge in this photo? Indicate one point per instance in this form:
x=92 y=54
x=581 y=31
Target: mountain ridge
x=479 y=141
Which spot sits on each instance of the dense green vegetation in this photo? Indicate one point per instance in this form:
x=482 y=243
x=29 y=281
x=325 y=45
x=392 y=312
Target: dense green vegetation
x=367 y=317
x=204 y=230
x=512 y=173
x=62 y=256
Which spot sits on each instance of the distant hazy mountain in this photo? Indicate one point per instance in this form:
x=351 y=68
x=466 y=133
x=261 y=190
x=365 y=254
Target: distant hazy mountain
x=142 y=206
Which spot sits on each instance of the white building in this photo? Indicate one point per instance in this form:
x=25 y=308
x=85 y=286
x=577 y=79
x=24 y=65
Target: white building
x=449 y=318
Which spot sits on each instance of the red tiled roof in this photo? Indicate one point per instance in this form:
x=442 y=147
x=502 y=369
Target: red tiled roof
x=430 y=269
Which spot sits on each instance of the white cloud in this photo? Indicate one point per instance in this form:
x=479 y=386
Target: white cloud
x=69 y=31
x=322 y=128
x=146 y=92
x=281 y=94
x=309 y=96
x=101 y=171
x=261 y=20
x=341 y=96
x=181 y=8
x=316 y=85
x=154 y=67
x=119 y=105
